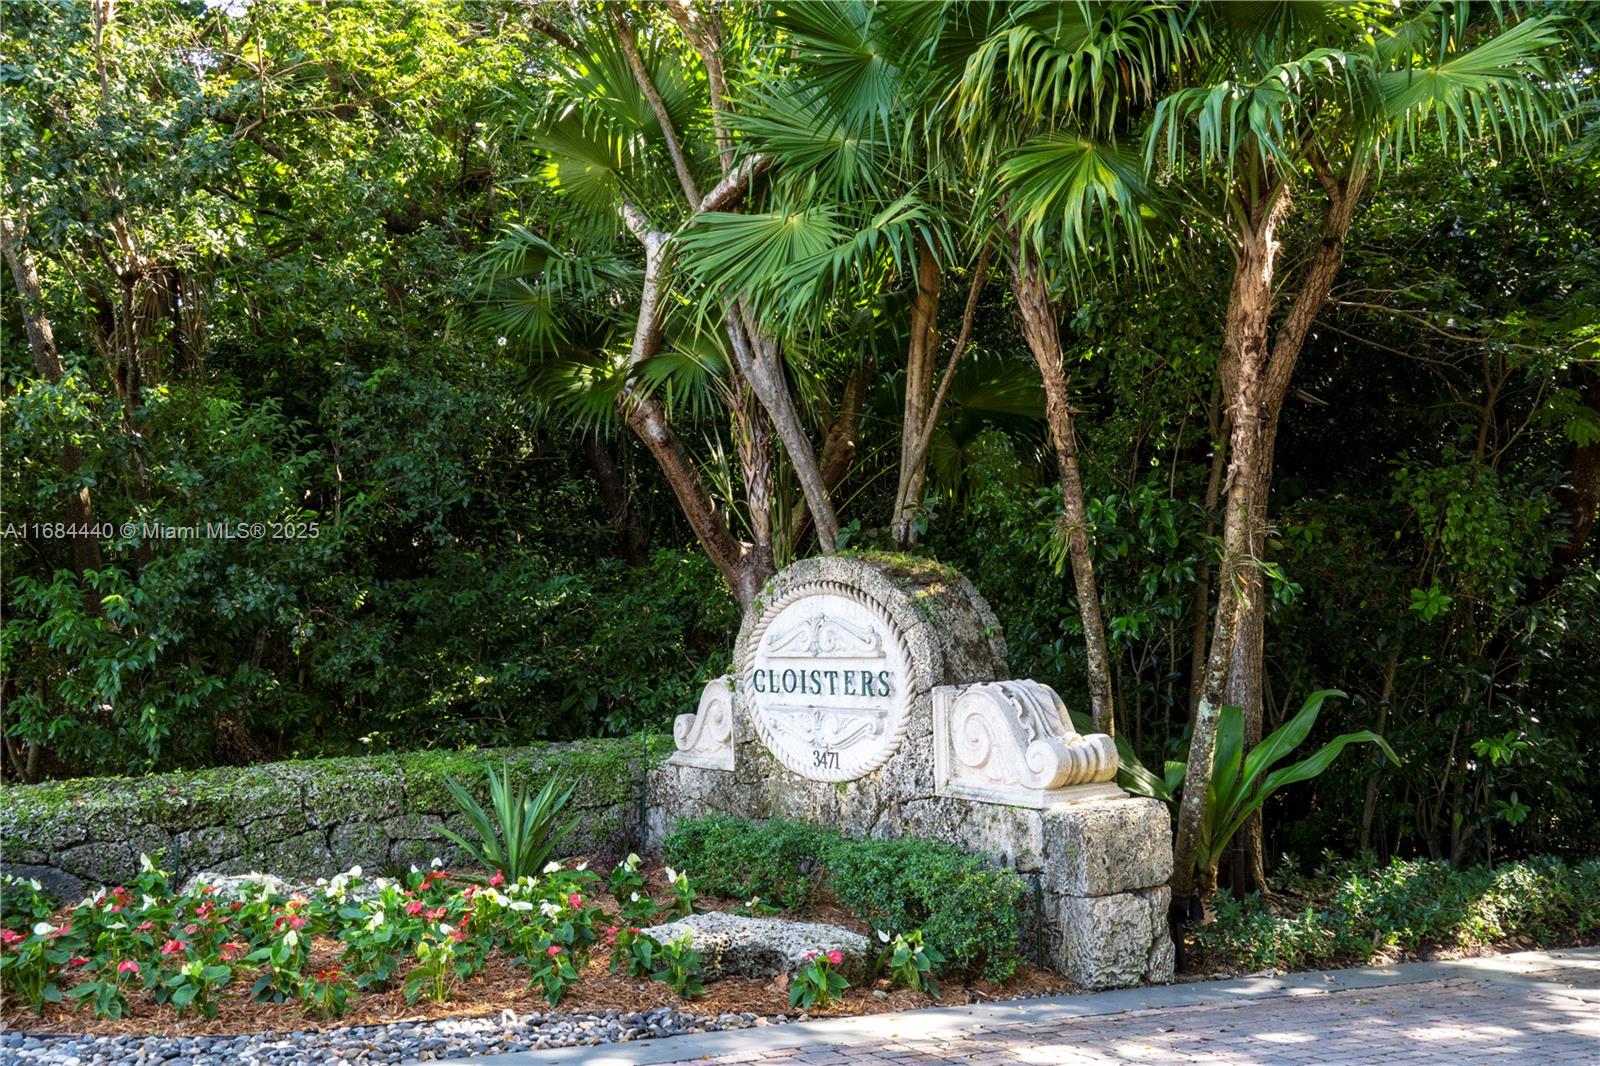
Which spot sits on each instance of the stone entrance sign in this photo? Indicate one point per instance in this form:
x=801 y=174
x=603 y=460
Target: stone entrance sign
x=871 y=694
x=824 y=675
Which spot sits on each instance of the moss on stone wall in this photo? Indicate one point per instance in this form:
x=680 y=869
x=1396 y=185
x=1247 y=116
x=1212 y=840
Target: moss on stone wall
x=308 y=818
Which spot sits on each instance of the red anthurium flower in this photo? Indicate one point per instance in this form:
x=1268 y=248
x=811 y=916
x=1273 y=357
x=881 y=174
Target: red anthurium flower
x=144 y=927
x=498 y=879
x=414 y=908
x=80 y=960
x=575 y=901
x=553 y=950
x=634 y=929
x=434 y=915
x=10 y=936
x=172 y=947
x=232 y=950
x=128 y=966
x=458 y=935
x=836 y=957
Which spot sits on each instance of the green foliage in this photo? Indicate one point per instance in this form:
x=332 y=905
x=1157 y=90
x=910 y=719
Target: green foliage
x=817 y=983
x=524 y=831
x=972 y=914
x=678 y=966
x=1358 y=909
x=911 y=963
x=780 y=861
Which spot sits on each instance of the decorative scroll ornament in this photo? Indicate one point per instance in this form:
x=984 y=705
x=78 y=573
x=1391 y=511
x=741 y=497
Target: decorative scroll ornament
x=1011 y=742
x=705 y=738
x=825 y=678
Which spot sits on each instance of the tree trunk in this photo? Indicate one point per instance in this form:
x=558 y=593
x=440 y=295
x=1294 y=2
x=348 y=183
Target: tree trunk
x=838 y=449
x=920 y=353
x=648 y=420
x=41 y=339
x=632 y=544
x=1244 y=354
x=1369 y=803
x=1201 y=615
x=1044 y=340
x=1255 y=381
x=756 y=357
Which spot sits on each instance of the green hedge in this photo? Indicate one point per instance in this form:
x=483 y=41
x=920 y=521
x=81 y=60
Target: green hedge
x=1357 y=908
x=971 y=913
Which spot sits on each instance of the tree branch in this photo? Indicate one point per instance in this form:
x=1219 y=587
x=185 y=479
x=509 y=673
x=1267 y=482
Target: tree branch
x=731 y=188
x=630 y=48
x=705 y=32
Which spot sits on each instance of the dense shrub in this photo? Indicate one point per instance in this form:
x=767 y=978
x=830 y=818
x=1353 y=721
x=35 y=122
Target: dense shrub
x=1358 y=908
x=970 y=913
x=778 y=860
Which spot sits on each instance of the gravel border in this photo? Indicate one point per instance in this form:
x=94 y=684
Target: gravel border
x=397 y=1042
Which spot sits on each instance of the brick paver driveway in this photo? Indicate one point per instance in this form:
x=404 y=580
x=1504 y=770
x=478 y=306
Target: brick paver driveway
x=1532 y=1007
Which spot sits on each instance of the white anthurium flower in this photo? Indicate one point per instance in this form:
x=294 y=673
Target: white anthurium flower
x=322 y=881
x=551 y=867
x=437 y=862
x=377 y=919
x=291 y=938
x=631 y=862
x=883 y=937
x=43 y=929
x=672 y=876
x=414 y=869
x=354 y=871
x=549 y=910
x=33 y=883
x=634 y=898
x=521 y=905
x=145 y=865
x=584 y=865
x=753 y=901
x=147 y=902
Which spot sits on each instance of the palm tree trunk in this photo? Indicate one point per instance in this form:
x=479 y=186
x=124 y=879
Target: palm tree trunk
x=1255 y=381
x=1044 y=340
x=920 y=352
x=757 y=359
x=838 y=448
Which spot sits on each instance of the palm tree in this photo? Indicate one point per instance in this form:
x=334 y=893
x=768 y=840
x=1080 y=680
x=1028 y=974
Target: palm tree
x=630 y=115
x=1047 y=96
x=1289 y=101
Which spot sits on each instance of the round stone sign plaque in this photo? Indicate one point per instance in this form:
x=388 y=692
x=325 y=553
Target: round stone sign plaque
x=825 y=675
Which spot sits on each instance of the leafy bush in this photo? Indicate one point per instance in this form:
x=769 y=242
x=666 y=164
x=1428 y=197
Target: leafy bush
x=1358 y=908
x=777 y=860
x=971 y=914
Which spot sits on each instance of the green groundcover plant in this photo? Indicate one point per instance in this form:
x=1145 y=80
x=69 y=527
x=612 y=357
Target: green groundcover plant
x=1350 y=911
x=970 y=914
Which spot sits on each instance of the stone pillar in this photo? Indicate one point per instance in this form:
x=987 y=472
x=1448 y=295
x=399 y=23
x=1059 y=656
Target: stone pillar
x=870 y=694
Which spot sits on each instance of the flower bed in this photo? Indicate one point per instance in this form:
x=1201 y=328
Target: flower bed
x=147 y=958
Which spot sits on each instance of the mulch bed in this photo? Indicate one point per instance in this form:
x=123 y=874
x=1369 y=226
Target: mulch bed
x=500 y=986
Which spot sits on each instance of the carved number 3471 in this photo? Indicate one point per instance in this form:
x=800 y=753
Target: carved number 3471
x=824 y=760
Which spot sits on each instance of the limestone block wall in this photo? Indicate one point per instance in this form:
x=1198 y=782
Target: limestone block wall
x=305 y=819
